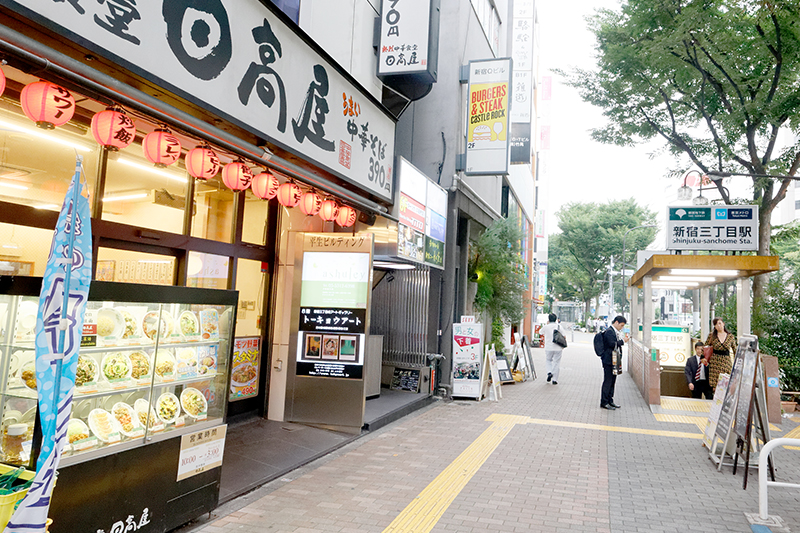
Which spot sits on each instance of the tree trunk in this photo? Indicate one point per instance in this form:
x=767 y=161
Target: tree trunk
x=587 y=304
x=760 y=282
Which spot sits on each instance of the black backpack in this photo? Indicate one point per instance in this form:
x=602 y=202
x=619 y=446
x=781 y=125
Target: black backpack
x=599 y=344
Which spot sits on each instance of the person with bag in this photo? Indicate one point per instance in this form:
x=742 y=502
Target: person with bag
x=554 y=344
x=611 y=356
x=723 y=342
x=696 y=371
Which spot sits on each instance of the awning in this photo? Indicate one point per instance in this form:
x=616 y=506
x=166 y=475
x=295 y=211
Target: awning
x=703 y=270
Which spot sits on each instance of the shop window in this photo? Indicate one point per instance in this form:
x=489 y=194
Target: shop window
x=36 y=165
x=254 y=229
x=23 y=250
x=134 y=267
x=139 y=194
x=250 y=282
x=207 y=270
x=213 y=210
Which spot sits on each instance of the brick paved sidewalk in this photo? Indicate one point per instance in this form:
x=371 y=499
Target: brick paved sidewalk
x=563 y=464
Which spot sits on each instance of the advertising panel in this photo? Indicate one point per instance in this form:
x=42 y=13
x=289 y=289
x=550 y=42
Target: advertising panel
x=245 y=368
x=422 y=211
x=467 y=359
x=520 y=143
x=201 y=451
x=487 y=128
x=240 y=61
x=674 y=344
x=713 y=227
x=335 y=285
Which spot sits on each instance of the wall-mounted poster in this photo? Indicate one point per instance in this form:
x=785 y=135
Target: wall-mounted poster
x=245 y=368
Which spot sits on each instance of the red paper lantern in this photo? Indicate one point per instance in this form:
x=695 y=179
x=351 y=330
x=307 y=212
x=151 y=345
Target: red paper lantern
x=310 y=203
x=47 y=104
x=113 y=129
x=2 y=81
x=329 y=210
x=202 y=162
x=265 y=185
x=237 y=175
x=289 y=194
x=161 y=147
x=346 y=216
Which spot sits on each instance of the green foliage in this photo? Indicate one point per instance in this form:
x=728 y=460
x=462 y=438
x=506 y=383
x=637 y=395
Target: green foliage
x=779 y=317
x=715 y=79
x=591 y=233
x=496 y=264
x=497 y=335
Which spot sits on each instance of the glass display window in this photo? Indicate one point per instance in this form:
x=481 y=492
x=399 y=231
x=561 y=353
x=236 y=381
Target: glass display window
x=23 y=250
x=207 y=270
x=251 y=284
x=36 y=165
x=134 y=267
x=213 y=214
x=145 y=370
x=254 y=227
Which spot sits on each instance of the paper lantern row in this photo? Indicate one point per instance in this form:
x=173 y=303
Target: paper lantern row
x=49 y=105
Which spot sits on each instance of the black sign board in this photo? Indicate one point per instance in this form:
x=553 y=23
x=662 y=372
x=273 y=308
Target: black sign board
x=405 y=379
x=744 y=403
x=520 y=143
x=728 y=412
x=332 y=320
x=504 y=370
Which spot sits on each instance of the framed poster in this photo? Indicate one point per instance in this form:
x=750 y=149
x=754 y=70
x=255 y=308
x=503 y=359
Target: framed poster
x=105 y=270
x=245 y=368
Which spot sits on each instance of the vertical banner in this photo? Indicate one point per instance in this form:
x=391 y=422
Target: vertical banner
x=245 y=368
x=467 y=359
x=335 y=288
x=405 y=30
x=62 y=302
x=487 y=128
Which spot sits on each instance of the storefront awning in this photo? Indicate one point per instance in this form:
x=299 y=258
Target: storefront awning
x=703 y=270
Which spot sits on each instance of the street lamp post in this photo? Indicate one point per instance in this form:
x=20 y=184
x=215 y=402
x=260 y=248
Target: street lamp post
x=624 y=288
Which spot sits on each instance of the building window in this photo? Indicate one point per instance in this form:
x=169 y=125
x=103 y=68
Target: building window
x=489 y=20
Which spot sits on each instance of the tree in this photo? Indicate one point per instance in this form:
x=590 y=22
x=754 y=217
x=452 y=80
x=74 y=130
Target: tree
x=715 y=79
x=591 y=233
x=496 y=265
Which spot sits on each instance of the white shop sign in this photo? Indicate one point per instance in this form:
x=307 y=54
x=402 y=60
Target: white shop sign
x=201 y=451
x=405 y=26
x=727 y=228
x=467 y=360
x=241 y=61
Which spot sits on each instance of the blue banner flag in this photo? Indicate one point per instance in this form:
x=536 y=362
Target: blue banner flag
x=58 y=338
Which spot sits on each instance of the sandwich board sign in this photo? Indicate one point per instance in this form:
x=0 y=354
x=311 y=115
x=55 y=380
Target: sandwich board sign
x=467 y=360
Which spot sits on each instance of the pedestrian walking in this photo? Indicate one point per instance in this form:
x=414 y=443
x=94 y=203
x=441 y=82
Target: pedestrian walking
x=612 y=345
x=552 y=351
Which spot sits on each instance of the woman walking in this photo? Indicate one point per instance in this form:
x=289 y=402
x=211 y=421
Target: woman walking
x=723 y=342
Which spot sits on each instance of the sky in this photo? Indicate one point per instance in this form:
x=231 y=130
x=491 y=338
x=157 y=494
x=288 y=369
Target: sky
x=579 y=169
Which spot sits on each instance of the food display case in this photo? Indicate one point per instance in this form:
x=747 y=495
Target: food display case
x=153 y=366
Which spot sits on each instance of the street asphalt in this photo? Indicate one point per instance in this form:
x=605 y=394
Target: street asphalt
x=544 y=458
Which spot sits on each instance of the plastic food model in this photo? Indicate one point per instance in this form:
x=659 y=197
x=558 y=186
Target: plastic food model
x=130 y=325
x=77 y=430
x=193 y=402
x=105 y=326
x=28 y=375
x=168 y=407
x=86 y=371
x=140 y=364
x=188 y=323
x=116 y=366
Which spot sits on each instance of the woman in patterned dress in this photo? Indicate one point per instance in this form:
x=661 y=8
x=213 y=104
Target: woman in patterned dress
x=723 y=341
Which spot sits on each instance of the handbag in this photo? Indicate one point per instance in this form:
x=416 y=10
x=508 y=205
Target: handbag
x=708 y=352
x=559 y=338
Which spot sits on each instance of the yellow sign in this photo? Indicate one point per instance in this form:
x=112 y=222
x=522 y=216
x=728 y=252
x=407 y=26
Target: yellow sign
x=488 y=112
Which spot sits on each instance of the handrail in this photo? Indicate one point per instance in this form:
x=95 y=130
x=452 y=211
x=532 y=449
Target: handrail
x=762 y=473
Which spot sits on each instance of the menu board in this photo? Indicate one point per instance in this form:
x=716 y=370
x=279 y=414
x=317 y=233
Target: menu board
x=245 y=368
x=467 y=358
x=405 y=379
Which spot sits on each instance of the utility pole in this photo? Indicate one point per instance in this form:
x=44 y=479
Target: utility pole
x=611 y=289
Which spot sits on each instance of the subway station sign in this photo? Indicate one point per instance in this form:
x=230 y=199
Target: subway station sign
x=724 y=228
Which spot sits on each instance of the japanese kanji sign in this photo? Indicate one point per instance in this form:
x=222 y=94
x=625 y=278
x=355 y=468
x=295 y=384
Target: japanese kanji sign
x=467 y=359
x=712 y=227
x=405 y=31
x=238 y=59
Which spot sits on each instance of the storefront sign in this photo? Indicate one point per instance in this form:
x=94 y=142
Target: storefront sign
x=730 y=228
x=467 y=359
x=422 y=210
x=405 y=32
x=240 y=61
x=201 y=451
x=487 y=129
x=520 y=143
x=335 y=286
x=245 y=368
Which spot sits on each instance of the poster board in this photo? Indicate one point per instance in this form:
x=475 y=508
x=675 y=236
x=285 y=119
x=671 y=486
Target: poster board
x=467 y=360
x=245 y=368
x=504 y=370
x=716 y=408
x=746 y=387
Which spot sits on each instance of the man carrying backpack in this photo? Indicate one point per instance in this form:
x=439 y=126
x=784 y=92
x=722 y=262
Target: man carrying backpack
x=553 y=345
x=607 y=345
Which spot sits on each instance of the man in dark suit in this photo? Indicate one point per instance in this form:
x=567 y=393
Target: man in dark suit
x=611 y=342
x=696 y=371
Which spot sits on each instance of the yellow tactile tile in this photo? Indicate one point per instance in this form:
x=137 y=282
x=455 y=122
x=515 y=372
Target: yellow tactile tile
x=674 y=404
x=422 y=514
